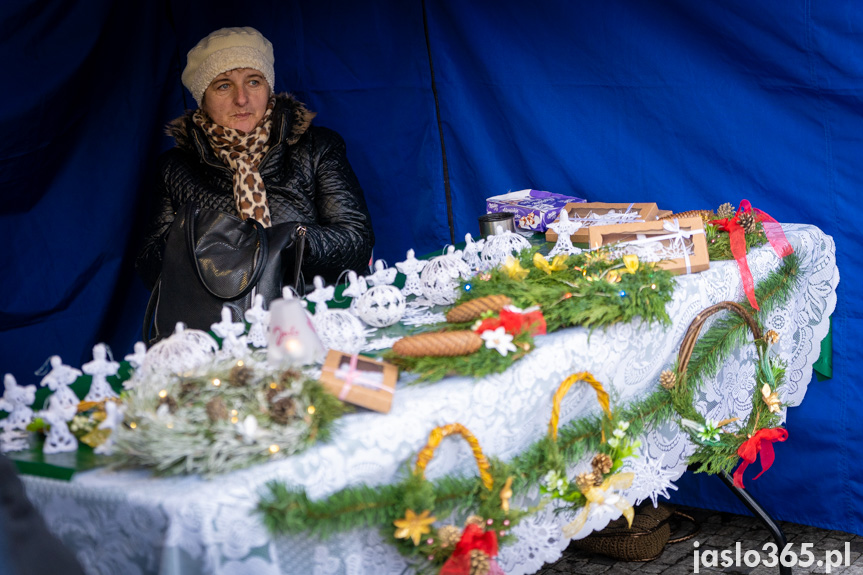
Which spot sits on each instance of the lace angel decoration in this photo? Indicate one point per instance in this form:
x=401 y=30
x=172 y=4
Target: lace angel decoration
x=136 y=360
x=17 y=400
x=383 y=275
x=472 y=251
x=100 y=368
x=59 y=439
x=58 y=380
x=564 y=228
x=411 y=269
x=321 y=295
x=114 y=415
x=234 y=343
x=258 y=319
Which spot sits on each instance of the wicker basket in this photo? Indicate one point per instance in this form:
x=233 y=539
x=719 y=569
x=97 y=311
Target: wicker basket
x=644 y=541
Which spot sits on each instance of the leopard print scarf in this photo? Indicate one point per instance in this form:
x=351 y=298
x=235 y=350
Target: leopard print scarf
x=242 y=152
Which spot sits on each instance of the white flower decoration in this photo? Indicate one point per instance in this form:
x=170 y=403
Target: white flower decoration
x=499 y=340
x=248 y=429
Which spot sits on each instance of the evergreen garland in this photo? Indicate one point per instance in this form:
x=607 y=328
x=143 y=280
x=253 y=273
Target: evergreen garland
x=287 y=510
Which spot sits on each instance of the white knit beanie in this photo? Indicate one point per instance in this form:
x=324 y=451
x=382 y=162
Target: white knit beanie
x=225 y=50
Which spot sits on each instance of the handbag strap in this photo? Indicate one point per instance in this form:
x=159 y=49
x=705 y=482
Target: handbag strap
x=299 y=251
x=257 y=268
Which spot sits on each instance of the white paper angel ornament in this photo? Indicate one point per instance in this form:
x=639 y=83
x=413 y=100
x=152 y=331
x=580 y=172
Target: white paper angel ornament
x=501 y=244
x=100 y=368
x=383 y=275
x=472 y=251
x=234 y=343
x=114 y=414
x=59 y=439
x=16 y=401
x=564 y=228
x=411 y=269
x=58 y=380
x=258 y=319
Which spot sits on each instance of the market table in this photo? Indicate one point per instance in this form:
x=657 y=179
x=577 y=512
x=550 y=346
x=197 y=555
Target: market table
x=131 y=522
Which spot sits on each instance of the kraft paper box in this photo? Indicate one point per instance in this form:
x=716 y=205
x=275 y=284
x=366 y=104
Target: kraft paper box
x=601 y=213
x=360 y=380
x=671 y=234
x=533 y=209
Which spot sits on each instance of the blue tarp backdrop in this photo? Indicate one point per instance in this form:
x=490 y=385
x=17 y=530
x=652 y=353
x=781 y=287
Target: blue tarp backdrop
x=687 y=104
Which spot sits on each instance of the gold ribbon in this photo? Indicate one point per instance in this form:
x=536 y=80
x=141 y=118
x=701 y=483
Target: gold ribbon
x=558 y=263
x=601 y=396
x=436 y=436
x=512 y=268
x=600 y=495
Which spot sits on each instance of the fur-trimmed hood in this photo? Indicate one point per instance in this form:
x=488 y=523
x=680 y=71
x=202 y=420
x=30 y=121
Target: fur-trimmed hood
x=291 y=119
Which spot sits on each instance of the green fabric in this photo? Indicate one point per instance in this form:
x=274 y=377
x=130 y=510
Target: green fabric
x=824 y=366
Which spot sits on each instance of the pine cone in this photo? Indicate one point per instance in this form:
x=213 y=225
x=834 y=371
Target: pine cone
x=667 y=379
x=187 y=388
x=771 y=337
x=216 y=410
x=241 y=376
x=748 y=222
x=601 y=464
x=479 y=562
x=439 y=344
x=726 y=210
x=585 y=480
x=169 y=401
x=273 y=391
x=473 y=309
x=474 y=520
x=282 y=410
x=449 y=535
x=289 y=376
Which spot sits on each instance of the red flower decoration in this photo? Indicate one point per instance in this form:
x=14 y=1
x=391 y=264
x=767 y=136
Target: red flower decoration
x=762 y=442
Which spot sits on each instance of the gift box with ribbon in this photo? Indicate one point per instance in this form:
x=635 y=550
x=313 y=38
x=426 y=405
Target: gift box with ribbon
x=677 y=245
x=360 y=380
x=602 y=214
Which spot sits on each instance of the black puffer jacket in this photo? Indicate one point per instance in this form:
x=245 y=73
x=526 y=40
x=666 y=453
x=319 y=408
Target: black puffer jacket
x=308 y=179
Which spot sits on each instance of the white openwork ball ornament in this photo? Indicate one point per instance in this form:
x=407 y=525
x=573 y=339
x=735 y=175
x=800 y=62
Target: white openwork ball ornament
x=340 y=330
x=440 y=277
x=501 y=244
x=381 y=305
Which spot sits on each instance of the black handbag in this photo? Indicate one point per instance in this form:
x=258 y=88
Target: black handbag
x=214 y=259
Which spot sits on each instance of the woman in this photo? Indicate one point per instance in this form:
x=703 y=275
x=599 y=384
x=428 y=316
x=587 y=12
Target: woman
x=256 y=155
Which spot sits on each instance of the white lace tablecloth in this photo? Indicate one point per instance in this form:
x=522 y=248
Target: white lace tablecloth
x=132 y=523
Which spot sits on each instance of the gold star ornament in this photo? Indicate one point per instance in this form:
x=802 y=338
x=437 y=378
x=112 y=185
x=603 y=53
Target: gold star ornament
x=413 y=525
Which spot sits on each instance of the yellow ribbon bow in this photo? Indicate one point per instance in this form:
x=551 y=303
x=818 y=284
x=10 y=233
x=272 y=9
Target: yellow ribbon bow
x=603 y=495
x=512 y=268
x=558 y=263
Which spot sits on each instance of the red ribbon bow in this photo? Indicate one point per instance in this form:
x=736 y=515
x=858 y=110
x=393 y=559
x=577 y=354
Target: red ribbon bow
x=774 y=233
x=762 y=441
x=472 y=538
x=515 y=322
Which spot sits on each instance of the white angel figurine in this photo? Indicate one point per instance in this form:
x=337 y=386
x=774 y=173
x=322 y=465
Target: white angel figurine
x=258 y=319
x=100 y=368
x=58 y=380
x=59 y=438
x=17 y=400
x=472 y=250
x=321 y=295
x=383 y=275
x=234 y=343
x=564 y=228
x=114 y=414
x=411 y=268
x=136 y=360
